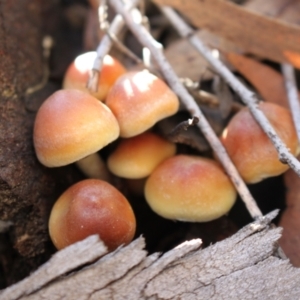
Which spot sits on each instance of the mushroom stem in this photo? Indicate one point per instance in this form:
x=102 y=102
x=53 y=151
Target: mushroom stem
x=93 y=166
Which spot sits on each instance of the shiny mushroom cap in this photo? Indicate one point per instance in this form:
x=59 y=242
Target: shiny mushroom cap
x=92 y=207
x=139 y=100
x=71 y=125
x=189 y=188
x=78 y=73
x=252 y=152
x=138 y=156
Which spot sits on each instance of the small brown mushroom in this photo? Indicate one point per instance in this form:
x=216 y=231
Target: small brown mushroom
x=91 y=207
x=250 y=149
x=189 y=188
x=71 y=125
x=78 y=73
x=139 y=100
x=138 y=156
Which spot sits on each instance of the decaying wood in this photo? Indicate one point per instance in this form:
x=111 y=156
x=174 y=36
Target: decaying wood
x=76 y=255
x=244 y=266
x=27 y=189
x=182 y=55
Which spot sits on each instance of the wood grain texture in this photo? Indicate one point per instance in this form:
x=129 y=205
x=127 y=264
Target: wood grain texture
x=244 y=266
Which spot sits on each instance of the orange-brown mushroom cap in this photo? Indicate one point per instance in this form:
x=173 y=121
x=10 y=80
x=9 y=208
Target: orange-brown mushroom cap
x=139 y=100
x=92 y=207
x=252 y=152
x=189 y=188
x=78 y=73
x=71 y=125
x=138 y=156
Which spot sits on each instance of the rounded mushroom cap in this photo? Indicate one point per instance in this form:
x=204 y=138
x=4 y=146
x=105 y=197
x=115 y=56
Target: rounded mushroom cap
x=138 y=156
x=92 y=207
x=78 y=73
x=189 y=188
x=139 y=100
x=70 y=125
x=253 y=154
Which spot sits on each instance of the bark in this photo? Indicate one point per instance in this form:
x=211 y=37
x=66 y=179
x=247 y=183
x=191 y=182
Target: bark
x=244 y=266
x=27 y=189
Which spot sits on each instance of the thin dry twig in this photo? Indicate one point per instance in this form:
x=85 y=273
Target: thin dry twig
x=105 y=45
x=292 y=93
x=148 y=41
x=248 y=97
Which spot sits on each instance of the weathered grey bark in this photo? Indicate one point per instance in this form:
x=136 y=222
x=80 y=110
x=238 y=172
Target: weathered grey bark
x=244 y=266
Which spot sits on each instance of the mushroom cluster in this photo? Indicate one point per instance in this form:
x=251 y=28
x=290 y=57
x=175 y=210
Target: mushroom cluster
x=73 y=125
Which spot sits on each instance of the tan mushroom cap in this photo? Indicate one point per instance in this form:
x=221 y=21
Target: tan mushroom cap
x=250 y=149
x=78 y=73
x=189 y=188
x=139 y=100
x=138 y=156
x=92 y=207
x=71 y=125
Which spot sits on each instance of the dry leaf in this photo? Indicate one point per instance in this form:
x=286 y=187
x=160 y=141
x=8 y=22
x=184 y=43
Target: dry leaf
x=268 y=82
x=284 y=10
x=257 y=34
x=186 y=60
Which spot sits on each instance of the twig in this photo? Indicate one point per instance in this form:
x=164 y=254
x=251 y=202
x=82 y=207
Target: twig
x=105 y=45
x=292 y=93
x=248 y=97
x=147 y=40
x=199 y=95
x=174 y=134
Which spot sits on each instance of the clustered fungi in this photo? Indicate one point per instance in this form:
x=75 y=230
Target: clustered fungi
x=73 y=124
